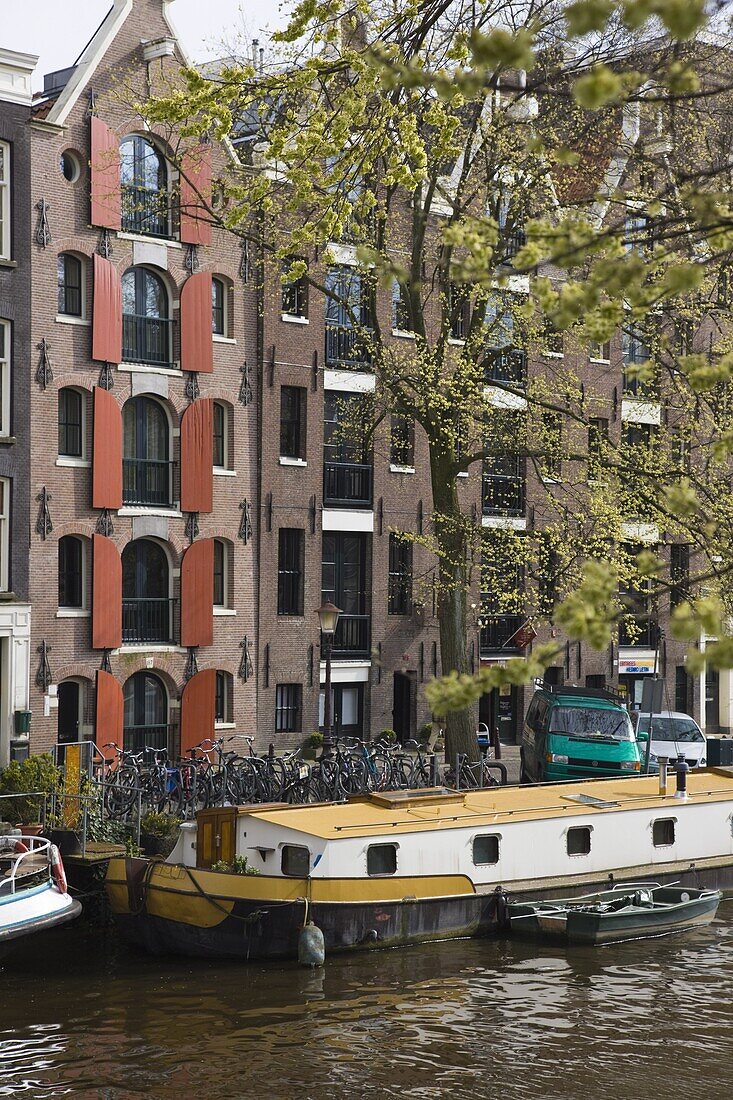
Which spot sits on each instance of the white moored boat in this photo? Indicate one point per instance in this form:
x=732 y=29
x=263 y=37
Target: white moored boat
x=409 y=866
x=33 y=893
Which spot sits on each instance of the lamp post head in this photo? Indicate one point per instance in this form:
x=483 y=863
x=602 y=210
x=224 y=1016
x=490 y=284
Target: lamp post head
x=328 y=615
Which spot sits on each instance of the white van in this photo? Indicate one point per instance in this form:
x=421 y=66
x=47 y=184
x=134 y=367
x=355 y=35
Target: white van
x=672 y=733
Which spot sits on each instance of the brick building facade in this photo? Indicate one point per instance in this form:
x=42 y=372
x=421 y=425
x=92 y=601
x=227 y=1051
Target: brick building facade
x=193 y=500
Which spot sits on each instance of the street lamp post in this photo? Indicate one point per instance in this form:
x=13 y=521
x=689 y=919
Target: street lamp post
x=328 y=616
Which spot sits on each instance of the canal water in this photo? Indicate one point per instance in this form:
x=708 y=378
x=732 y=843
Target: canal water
x=81 y=1015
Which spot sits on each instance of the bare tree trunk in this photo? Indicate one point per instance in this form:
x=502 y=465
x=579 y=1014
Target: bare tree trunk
x=452 y=538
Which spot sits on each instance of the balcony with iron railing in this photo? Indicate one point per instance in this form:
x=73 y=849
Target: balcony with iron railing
x=147 y=339
x=508 y=365
x=347 y=348
x=147 y=482
x=352 y=637
x=147 y=211
x=496 y=630
x=510 y=244
x=638 y=631
x=147 y=620
x=137 y=738
x=503 y=495
x=347 y=484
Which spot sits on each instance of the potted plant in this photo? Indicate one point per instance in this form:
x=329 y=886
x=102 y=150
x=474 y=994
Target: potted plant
x=158 y=834
x=28 y=780
x=311 y=745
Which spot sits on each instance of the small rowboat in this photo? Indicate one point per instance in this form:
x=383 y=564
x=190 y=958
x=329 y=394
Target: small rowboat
x=625 y=913
x=33 y=893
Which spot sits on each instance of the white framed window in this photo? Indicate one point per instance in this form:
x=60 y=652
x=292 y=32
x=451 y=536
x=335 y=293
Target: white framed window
x=4 y=533
x=4 y=378
x=4 y=200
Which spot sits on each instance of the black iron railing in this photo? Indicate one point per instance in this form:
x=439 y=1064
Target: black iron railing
x=352 y=636
x=506 y=365
x=347 y=483
x=147 y=620
x=503 y=495
x=146 y=481
x=347 y=347
x=146 y=210
x=646 y=389
x=641 y=631
x=136 y=738
x=146 y=339
x=511 y=244
x=496 y=630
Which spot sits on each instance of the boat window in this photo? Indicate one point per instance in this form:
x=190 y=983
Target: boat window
x=485 y=849
x=296 y=860
x=592 y=722
x=381 y=859
x=663 y=832
x=579 y=841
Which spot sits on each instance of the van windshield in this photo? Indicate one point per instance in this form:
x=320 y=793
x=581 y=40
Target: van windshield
x=588 y=722
x=672 y=729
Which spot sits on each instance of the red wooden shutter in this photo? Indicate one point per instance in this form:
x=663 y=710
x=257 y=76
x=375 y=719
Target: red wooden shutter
x=197 y=348
x=197 y=457
x=106 y=451
x=106 y=594
x=196 y=195
x=197 y=594
x=105 y=174
x=110 y=710
x=107 y=312
x=198 y=709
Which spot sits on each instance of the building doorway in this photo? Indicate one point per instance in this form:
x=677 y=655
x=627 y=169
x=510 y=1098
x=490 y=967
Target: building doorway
x=347 y=710
x=712 y=700
x=69 y=709
x=499 y=710
x=404 y=708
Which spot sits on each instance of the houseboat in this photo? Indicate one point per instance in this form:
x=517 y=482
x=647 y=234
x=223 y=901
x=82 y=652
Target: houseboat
x=410 y=866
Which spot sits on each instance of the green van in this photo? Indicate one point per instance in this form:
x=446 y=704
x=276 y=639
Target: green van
x=577 y=733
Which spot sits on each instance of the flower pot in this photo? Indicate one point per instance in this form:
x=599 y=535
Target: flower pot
x=32 y=829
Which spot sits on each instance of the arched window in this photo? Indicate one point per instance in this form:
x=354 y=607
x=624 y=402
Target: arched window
x=146 y=604
x=146 y=466
x=144 y=183
x=146 y=322
x=71 y=572
x=224 y=701
x=145 y=713
x=71 y=423
x=219 y=318
x=70 y=290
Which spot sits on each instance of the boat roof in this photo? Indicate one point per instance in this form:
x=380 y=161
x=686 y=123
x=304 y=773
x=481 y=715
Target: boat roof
x=396 y=812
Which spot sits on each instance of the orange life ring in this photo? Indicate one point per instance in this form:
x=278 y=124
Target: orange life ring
x=57 y=870
x=21 y=847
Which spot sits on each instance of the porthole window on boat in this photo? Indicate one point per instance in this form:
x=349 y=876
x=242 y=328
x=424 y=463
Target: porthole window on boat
x=485 y=849
x=296 y=861
x=381 y=859
x=663 y=832
x=578 y=841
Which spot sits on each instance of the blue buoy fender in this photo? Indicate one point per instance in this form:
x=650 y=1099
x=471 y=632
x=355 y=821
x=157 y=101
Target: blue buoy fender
x=311 y=946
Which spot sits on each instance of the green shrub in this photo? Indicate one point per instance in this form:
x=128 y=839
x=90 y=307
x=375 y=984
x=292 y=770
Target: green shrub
x=388 y=735
x=37 y=773
x=160 y=825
